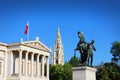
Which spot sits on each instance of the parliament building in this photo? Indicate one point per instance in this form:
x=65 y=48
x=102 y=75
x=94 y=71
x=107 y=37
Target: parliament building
x=25 y=60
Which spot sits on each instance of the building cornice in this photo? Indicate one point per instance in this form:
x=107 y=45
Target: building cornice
x=3 y=44
x=27 y=44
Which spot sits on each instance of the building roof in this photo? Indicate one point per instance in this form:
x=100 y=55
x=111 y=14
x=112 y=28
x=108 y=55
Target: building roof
x=36 y=44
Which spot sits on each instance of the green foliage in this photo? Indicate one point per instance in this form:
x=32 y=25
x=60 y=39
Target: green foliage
x=115 y=51
x=109 y=71
x=61 y=72
x=67 y=72
x=56 y=72
x=74 y=61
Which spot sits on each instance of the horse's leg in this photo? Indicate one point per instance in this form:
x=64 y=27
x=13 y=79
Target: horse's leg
x=91 y=59
x=82 y=58
x=88 y=60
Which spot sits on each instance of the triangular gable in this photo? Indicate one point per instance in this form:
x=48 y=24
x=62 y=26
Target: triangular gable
x=37 y=44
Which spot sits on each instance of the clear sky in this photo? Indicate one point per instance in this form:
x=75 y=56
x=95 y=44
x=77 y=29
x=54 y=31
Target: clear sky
x=97 y=19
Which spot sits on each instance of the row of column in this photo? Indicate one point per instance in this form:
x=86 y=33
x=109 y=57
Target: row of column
x=32 y=64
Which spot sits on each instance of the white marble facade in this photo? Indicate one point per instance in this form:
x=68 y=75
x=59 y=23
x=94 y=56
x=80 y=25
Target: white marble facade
x=26 y=60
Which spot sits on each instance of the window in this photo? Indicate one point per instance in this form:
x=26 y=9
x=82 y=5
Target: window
x=56 y=54
x=56 y=61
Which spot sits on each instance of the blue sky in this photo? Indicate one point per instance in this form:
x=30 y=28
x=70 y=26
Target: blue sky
x=97 y=19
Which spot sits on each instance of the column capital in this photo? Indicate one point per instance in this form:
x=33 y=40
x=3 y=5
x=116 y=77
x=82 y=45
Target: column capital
x=9 y=51
x=38 y=54
x=32 y=54
x=20 y=50
x=43 y=56
x=26 y=52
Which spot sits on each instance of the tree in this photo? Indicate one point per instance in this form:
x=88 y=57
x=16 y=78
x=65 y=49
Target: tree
x=74 y=61
x=56 y=72
x=67 y=72
x=61 y=72
x=109 y=71
x=115 y=51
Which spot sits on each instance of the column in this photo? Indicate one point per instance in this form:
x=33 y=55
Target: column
x=26 y=63
x=11 y=63
x=32 y=61
x=20 y=62
x=43 y=66
x=48 y=67
x=5 y=64
x=38 y=72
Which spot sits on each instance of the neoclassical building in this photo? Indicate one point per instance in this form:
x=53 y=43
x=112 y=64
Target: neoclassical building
x=26 y=60
x=58 y=55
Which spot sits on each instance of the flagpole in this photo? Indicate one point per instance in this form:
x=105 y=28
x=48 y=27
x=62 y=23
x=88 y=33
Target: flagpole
x=28 y=31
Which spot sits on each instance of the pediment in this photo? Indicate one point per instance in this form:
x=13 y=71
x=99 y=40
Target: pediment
x=37 y=44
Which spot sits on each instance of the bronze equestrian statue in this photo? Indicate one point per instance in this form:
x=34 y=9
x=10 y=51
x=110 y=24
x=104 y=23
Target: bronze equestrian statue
x=85 y=49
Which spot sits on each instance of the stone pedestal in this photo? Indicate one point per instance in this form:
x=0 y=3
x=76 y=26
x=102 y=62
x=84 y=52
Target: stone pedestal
x=83 y=73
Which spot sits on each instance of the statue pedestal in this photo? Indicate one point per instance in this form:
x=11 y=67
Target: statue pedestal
x=83 y=73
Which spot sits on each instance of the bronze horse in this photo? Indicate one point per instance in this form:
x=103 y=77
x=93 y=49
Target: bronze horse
x=85 y=49
x=83 y=52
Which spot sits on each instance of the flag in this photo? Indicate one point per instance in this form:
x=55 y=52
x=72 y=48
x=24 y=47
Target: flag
x=26 y=29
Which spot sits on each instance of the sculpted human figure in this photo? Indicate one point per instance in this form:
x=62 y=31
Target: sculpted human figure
x=90 y=52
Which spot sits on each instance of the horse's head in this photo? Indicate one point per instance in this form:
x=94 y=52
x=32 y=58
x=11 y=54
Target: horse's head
x=81 y=36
